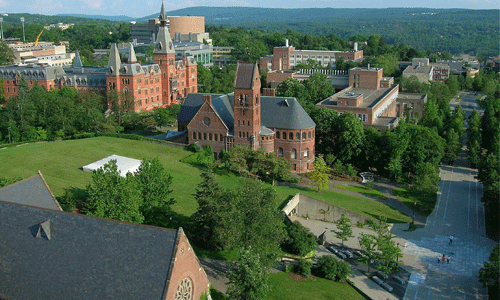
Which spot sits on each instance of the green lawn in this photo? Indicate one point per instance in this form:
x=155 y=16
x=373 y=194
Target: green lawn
x=60 y=163
x=362 y=190
x=422 y=203
x=283 y=287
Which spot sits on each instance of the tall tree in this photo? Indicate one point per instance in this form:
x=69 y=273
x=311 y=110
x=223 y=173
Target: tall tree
x=248 y=278
x=154 y=183
x=344 y=227
x=320 y=174
x=489 y=275
x=114 y=197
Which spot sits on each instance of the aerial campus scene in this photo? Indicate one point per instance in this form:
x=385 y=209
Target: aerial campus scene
x=249 y=149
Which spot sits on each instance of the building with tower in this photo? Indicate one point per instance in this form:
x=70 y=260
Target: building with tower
x=246 y=118
x=162 y=83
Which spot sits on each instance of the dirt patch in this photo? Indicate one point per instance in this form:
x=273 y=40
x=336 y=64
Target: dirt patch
x=299 y=277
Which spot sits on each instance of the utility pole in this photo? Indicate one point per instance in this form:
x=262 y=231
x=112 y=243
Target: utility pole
x=22 y=21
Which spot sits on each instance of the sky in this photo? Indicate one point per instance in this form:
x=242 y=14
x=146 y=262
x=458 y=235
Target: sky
x=142 y=8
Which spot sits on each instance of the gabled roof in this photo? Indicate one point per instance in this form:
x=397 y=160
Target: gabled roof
x=31 y=191
x=85 y=257
x=276 y=112
x=244 y=76
x=131 y=56
x=114 y=61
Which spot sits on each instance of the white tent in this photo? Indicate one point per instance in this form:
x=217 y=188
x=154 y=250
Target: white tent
x=125 y=164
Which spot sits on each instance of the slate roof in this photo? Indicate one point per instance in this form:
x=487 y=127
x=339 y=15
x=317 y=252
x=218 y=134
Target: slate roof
x=31 y=191
x=80 y=257
x=244 y=76
x=275 y=111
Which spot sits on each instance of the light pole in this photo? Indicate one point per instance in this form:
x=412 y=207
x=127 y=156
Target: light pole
x=22 y=21
x=1 y=27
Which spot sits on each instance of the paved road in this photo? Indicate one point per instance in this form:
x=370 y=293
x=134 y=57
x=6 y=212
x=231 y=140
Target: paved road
x=460 y=213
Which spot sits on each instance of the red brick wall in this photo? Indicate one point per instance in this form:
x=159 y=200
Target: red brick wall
x=186 y=265
x=204 y=132
x=368 y=79
x=281 y=58
x=302 y=163
x=351 y=55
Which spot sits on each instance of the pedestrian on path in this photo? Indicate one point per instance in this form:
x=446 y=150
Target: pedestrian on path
x=444 y=258
x=451 y=239
x=448 y=260
x=439 y=259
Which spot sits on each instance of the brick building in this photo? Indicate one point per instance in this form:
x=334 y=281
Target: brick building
x=287 y=57
x=426 y=71
x=370 y=97
x=249 y=119
x=159 y=84
x=50 y=254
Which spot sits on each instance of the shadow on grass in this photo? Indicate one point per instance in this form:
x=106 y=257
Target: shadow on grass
x=422 y=203
x=216 y=295
x=389 y=220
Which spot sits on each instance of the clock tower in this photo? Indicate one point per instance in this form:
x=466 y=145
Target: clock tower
x=164 y=56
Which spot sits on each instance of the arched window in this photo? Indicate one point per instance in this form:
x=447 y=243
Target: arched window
x=199 y=135
x=246 y=100
x=303 y=135
x=209 y=136
x=278 y=135
x=306 y=152
x=294 y=153
x=215 y=137
x=309 y=134
x=194 y=135
x=290 y=136
x=284 y=135
x=297 y=136
x=280 y=152
x=221 y=139
x=205 y=136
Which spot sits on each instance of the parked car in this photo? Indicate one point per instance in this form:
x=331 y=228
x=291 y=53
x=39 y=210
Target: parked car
x=332 y=249
x=348 y=254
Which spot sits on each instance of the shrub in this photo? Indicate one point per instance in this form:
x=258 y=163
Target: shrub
x=300 y=239
x=339 y=168
x=289 y=268
x=194 y=148
x=303 y=268
x=333 y=269
x=349 y=170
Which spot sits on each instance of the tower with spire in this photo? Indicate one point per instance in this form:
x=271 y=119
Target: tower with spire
x=164 y=56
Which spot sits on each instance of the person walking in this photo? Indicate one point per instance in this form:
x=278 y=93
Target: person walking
x=444 y=258
x=448 y=260
x=439 y=259
x=451 y=240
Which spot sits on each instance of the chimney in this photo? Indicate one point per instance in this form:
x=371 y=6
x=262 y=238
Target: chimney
x=207 y=98
x=355 y=46
x=286 y=43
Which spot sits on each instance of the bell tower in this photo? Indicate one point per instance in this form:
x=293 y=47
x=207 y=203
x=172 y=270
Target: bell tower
x=164 y=56
x=247 y=105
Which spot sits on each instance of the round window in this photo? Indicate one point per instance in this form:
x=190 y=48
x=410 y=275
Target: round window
x=184 y=290
x=206 y=121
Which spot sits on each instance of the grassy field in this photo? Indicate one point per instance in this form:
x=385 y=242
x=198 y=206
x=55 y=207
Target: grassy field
x=362 y=190
x=60 y=163
x=283 y=287
x=422 y=203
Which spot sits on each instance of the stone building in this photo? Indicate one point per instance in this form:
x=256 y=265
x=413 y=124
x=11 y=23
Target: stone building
x=247 y=118
x=50 y=254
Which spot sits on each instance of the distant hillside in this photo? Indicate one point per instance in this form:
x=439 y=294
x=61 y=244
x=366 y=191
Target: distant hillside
x=99 y=17
x=46 y=20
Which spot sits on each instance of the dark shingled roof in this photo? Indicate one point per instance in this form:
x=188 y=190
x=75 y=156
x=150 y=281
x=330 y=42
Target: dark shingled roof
x=191 y=105
x=284 y=113
x=244 y=76
x=275 y=111
x=85 y=257
x=31 y=191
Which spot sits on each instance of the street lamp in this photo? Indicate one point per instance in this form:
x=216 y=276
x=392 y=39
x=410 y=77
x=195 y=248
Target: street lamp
x=22 y=21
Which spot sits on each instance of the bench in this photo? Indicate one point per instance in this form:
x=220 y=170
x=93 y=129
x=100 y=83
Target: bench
x=387 y=287
x=377 y=280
